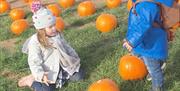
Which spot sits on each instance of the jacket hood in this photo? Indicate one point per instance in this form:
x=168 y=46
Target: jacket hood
x=168 y=3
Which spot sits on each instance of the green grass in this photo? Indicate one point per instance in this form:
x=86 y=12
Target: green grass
x=5 y=24
x=99 y=53
x=10 y=85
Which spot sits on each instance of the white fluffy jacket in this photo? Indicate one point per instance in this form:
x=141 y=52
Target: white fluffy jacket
x=49 y=60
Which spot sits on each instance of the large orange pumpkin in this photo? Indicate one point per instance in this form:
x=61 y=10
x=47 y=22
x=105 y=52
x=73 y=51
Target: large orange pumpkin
x=18 y=26
x=104 y=85
x=106 y=22
x=86 y=8
x=59 y=24
x=4 y=6
x=113 y=3
x=66 y=3
x=55 y=9
x=132 y=68
x=16 y=14
x=129 y=5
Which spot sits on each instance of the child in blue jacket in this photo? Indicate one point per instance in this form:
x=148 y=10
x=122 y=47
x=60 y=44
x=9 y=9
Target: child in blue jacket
x=147 y=41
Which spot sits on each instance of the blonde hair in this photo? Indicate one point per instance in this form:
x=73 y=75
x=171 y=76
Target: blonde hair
x=42 y=38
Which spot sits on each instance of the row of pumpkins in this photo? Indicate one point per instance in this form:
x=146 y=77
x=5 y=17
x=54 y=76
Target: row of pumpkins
x=130 y=67
x=104 y=23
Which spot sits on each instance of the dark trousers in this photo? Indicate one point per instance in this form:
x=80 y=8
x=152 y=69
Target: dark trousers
x=38 y=86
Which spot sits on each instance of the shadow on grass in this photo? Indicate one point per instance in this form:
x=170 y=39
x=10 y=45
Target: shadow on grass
x=138 y=85
x=92 y=55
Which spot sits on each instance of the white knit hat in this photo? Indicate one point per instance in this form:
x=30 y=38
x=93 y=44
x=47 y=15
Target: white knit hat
x=43 y=18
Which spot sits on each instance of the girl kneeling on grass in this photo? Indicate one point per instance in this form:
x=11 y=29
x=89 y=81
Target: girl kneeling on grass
x=51 y=60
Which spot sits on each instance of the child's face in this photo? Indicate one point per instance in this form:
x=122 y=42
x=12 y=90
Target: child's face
x=51 y=31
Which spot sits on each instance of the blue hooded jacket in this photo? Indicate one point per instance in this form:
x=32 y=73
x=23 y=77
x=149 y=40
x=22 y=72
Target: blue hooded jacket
x=147 y=40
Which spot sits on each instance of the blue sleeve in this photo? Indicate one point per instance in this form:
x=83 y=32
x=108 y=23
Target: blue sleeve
x=140 y=24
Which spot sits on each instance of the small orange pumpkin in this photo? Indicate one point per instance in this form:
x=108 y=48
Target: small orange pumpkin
x=129 y=5
x=113 y=3
x=4 y=6
x=106 y=22
x=132 y=68
x=18 y=26
x=66 y=3
x=178 y=2
x=26 y=1
x=59 y=24
x=104 y=85
x=86 y=8
x=16 y=14
x=55 y=9
x=29 y=1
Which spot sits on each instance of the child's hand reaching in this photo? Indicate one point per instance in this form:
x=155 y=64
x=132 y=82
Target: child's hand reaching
x=127 y=45
x=170 y=35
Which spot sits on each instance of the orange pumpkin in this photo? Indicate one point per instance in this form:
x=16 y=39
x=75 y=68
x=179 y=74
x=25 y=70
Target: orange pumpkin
x=55 y=9
x=4 y=6
x=59 y=24
x=178 y=2
x=106 y=22
x=2 y=0
x=113 y=3
x=129 y=5
x=28 y=1
x=18 y=26
x=66 y=3
x=132 y=68
x=104 y=85
x=16 y=14
x=86 y=8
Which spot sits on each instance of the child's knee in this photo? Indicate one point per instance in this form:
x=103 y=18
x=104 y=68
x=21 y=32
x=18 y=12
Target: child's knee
x=77 y=76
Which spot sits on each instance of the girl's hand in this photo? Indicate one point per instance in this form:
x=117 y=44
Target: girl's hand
x=127 y=45
x=45 y=79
